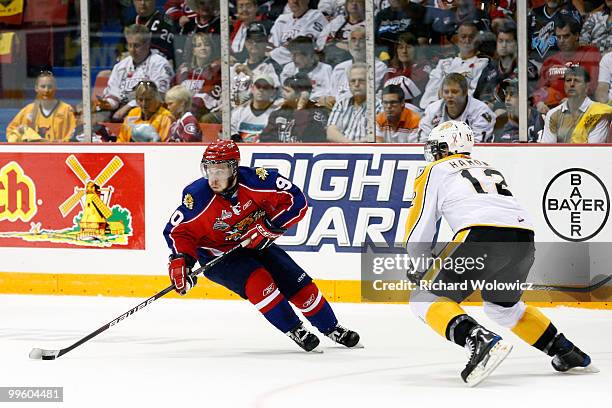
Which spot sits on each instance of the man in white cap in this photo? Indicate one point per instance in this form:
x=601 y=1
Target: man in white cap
x=250 y=118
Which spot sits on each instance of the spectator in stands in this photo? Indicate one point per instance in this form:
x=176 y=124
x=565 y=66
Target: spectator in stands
x=507 y=124
x=541 y=24
x=578 y=119
x=179 y=12
x=400 y=17
x=250 y=119
x=298 y=119
x=501 y=66
x=596 y=29
x=331 y=8
x=47 y=119
x=206 y=19
x=306 y=61
x=550 y=88
x=149 y=121
x=256 y=63
x=161 y=27
x=300 y=21
x=333 y=40
x=396 y=124
x=445 y=23
x=603 y=93
x=467 y=63
x=202 y=75
x=99 y=132
x=141 y=64
x=410 y=90
x=457 y=104
x=272 y=9
x=185 y=127
x=348 y=119
x=339 y=78
x=407 y=61
x=501 y=11
x=246 y=13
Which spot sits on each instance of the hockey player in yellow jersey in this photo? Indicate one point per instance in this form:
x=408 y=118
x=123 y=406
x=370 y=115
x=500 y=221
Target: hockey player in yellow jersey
x=493 y=230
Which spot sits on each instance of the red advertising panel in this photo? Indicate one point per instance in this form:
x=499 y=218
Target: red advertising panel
x=66 y=200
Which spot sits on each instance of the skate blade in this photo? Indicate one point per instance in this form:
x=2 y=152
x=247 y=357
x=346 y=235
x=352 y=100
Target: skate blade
x=343 y=347
x=590 y=369
x=497 y=354
x=315 y=350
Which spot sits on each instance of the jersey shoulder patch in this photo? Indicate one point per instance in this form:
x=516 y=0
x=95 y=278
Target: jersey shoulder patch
x=258 y=177
x=196 y=195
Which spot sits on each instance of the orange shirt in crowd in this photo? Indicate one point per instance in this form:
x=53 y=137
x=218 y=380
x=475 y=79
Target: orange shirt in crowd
x=407 y=129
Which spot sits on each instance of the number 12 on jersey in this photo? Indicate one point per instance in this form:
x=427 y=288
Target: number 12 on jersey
x=487 y=181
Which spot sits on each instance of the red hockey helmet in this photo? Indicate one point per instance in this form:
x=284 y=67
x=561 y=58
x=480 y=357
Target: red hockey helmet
x=220 y=151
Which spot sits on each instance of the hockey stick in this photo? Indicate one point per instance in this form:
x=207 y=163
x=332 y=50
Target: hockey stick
x=44 y=354
x=581 y=289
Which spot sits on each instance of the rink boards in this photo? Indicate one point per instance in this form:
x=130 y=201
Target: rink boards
x=51 y=244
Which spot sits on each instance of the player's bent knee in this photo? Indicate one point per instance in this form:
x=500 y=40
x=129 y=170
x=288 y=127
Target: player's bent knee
x=420 y=301
x=262 y=291
x=309 y=299
x=507 y=314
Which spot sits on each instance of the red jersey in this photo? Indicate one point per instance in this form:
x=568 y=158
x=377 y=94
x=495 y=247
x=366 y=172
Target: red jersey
x=208 y=224
x=203 y=83
x=550 y=88
x=175 y=9
x=185 y=129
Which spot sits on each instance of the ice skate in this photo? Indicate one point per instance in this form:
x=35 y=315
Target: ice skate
x=487 y=350
x=346 y=337
x=303 y=338
x=570 y=358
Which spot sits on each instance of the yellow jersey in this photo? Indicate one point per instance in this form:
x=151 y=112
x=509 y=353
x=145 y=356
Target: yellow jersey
x=57 y=126
x=135 y=128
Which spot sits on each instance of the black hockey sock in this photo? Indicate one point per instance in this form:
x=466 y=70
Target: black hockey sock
x=547 y=343
x=459 y=328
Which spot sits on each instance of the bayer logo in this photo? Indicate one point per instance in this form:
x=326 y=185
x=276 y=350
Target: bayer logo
x=576 y=205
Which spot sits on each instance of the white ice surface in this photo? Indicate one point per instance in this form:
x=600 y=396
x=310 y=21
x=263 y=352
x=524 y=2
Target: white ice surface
x=194 y=353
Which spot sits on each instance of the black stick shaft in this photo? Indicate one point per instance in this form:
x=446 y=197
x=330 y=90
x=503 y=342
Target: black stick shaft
x=147 y=302
x=584 y=289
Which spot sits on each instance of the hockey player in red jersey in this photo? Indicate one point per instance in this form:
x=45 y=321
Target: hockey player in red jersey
x=230 y=205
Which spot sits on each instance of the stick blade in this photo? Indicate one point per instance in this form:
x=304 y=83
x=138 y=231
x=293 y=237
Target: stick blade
x=40 y=354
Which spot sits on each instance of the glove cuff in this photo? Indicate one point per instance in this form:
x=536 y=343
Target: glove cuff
x=272 y=227
x=189 y=260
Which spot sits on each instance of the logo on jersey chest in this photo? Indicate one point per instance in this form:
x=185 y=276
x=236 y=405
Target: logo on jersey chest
x=243 y=225
x=220 y=223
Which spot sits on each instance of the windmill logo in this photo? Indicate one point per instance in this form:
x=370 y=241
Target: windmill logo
x=96 y=221
x=94 y=199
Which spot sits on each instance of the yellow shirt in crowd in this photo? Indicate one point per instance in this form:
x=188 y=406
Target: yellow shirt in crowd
x=135 y=128
x=58 y=126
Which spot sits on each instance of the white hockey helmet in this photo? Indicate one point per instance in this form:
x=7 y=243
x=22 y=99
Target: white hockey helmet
x=450 y=137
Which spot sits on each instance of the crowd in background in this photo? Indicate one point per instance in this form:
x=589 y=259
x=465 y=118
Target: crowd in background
x=298 y=72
